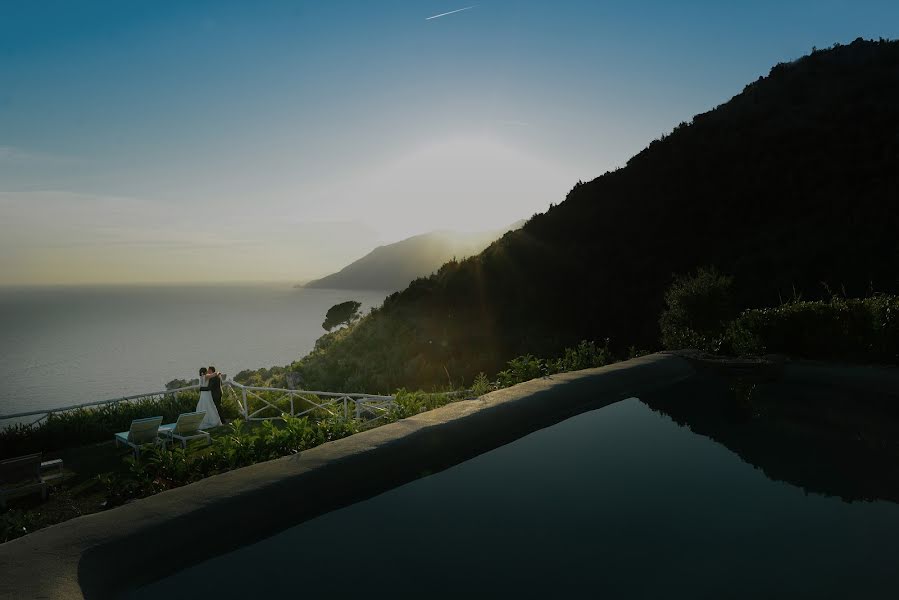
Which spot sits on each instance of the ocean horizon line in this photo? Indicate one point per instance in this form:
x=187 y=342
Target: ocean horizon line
x=143 y=284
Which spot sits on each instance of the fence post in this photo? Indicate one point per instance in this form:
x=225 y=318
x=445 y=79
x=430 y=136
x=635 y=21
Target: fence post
x=345 y=413
x=246 y=407
x=358 y=408
x=175 y=396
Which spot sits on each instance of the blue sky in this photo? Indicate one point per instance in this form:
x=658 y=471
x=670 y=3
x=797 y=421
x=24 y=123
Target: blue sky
x=279 y=140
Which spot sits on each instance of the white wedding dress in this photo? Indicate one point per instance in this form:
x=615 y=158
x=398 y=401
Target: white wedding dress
x=212 y=418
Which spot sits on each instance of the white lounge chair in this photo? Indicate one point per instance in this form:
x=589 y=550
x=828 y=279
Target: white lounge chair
x=186 y=428
x=142 y=432
x=55 y=465
x=21 y=476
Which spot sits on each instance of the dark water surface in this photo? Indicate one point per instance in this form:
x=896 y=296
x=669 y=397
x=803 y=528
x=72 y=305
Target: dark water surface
x=620 y=502
x=69 y=345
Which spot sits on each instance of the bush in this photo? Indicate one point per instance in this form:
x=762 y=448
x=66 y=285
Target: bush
x=16 y=523
x=522 y=368
x=175 y=384
x=481 y=385
x=850 y=329
x=407 y=403
x=94 y=424
x=296 y=435
x=159 y=469
x=855 y=329
x=586 y=355
x=699 y=307
x=273 y=377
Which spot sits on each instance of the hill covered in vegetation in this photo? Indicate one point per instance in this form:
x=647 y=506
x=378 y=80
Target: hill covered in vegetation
x=394 y=266
x=790 y=187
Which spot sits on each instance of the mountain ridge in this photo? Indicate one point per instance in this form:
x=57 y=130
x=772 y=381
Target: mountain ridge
x=394 y=266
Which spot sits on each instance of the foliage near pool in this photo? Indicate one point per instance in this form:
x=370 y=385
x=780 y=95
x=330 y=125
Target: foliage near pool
x=96 y=424
x=701 y=314
x=239 y=443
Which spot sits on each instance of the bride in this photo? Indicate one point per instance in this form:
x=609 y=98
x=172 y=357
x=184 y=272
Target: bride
x=212 y=418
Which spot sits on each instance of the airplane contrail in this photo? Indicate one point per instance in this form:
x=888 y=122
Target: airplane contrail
x=452 y=12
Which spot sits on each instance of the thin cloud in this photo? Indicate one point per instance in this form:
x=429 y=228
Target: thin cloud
x=12 y=154
x=452 y=12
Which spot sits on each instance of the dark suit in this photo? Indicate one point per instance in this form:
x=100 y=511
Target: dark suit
x=215 y=388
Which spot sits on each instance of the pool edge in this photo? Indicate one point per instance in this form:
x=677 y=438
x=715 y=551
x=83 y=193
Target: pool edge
x=106 y=553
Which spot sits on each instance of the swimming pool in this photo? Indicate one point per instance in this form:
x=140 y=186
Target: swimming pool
x=616 y=502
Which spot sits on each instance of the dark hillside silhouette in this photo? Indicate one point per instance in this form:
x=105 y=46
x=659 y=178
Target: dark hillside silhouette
x=393 y=266
x=790 y=185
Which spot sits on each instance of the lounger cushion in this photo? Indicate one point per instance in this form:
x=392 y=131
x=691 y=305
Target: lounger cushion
x=187 y=424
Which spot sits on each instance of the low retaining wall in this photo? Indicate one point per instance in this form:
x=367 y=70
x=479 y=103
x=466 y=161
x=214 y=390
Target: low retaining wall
x=105 y=554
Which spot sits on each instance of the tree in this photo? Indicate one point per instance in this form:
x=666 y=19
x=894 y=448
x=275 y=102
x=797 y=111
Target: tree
x=341 y=314
x=174 y=384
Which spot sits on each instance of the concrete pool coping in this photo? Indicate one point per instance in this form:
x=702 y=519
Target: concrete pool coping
x=105 y=554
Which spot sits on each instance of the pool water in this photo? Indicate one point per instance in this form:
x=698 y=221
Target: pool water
x=620 y=502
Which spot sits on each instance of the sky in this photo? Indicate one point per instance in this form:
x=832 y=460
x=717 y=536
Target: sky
x=249 y=141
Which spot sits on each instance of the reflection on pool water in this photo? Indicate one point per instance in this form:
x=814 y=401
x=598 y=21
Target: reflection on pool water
x=619 y=502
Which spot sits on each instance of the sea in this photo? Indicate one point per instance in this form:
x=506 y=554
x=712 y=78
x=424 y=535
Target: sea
x=69 y=345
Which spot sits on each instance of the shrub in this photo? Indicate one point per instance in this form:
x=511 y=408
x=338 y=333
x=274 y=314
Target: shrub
x=522 y=368
x=94 y=424
x=159 y=469
x=407 y=403
x=174 y=384
x=850 y=329
x=16 y=523
x=481 y=385
x=634 y=352
x=585 y=355
x=294 y=436
x=855 y=329
x=699 y=307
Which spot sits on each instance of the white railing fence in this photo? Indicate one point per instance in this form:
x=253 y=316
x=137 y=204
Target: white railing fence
x=46 y=412
x=259 y=400
x=297 y=403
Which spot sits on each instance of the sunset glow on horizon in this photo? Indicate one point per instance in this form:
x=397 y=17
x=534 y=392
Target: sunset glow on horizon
x=215 y=141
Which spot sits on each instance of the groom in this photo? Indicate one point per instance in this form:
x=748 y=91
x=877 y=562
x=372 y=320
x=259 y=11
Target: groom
x=215 y=387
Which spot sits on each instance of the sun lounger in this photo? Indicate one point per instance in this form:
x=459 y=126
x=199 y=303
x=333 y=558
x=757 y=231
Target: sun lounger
x=186 y=428
x=142 y=432
x=55 y=465
x=21 y=476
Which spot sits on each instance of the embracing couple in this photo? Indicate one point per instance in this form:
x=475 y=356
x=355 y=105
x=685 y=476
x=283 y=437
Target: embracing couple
x=210 y=396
